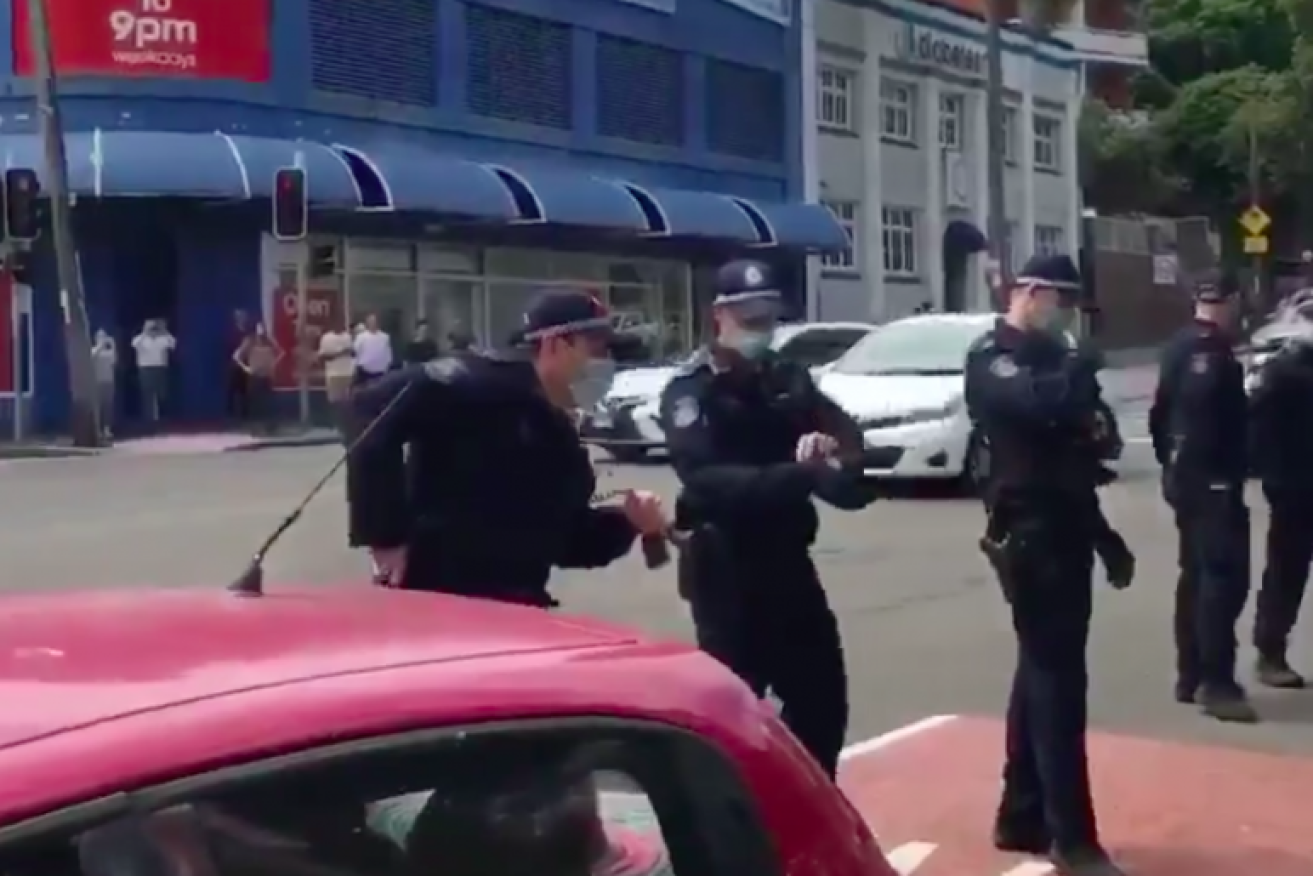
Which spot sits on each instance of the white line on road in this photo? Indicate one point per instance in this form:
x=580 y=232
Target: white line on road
x=909 y=856
x=892 y=737
x=1031 y=868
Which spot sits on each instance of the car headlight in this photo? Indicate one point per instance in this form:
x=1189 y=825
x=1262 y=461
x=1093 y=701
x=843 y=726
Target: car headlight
x=911 y=417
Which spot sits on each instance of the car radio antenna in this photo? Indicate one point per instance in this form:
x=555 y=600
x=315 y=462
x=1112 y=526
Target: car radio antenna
x=251 y=581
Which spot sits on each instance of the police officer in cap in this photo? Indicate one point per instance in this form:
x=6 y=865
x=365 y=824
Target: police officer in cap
x=1281 y=431
x=468 y=476
x=1034 y=398
x=753 y=441
x=1198 y=427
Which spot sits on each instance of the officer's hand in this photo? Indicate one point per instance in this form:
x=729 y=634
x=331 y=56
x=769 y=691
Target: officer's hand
x=645 y=512
x=389 y=566
x=816 y=447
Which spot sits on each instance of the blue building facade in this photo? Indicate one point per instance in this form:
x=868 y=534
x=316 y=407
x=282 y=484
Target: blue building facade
x=458 y=153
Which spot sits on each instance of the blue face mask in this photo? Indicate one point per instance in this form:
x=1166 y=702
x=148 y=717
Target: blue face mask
x=749 y=343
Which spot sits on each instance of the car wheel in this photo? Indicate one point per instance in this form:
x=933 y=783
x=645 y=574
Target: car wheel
x=627 y=454
x=975 y=464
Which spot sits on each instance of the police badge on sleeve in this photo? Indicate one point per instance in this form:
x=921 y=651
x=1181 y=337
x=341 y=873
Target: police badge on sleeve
x=685 y=412
x=1003 y=367
x=1199 y=363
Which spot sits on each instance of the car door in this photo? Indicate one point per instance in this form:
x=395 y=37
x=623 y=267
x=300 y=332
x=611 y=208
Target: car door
x=815 y=347
x=585 y=797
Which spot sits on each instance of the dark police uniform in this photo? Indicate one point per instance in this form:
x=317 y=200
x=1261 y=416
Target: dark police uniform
x=747 y=573
x=478 y=474
x=1281 y=430
x=1198 y=427
x=1034 y=399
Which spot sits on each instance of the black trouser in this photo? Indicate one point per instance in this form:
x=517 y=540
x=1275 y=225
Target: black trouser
x=1212 y=525
x=1046 y=789
x=777 y=632
x=238 y=401
x=1285 y=575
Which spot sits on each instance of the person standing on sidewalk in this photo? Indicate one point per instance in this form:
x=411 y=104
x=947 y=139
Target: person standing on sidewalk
x=373 y=349
x=238 y=402
x=154 y=347
x=339 y=360
x=422 y=347
x=258 y=358
x=105 y=361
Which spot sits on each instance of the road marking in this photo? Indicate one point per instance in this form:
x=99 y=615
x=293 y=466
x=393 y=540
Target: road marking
x=909 y=856
x=894 y=736
x=1031 y=868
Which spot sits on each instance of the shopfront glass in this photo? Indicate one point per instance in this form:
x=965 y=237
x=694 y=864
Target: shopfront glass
x=485 y=292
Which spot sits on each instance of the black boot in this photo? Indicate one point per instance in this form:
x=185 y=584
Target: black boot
x=1274 y=671
x=1227 y=702
x=1084 y=861
x=1021 y=841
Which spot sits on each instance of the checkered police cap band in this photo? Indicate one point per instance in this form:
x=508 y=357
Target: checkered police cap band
x=569 y=328
x=747 y=295
x=1037 y=282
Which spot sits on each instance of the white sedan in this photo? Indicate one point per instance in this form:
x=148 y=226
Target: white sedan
x=626 y=422
x=904 y=385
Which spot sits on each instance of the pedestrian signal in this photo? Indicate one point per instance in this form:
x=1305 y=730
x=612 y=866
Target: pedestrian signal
x=22 y=189
x=291 y=209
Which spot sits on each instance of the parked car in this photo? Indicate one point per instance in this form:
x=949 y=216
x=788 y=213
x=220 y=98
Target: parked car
x=366 y=730
x=626 y=421
x=1293 y=317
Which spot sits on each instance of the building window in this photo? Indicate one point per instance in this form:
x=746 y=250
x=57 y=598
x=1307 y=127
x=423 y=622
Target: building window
x=898 y=111
x=1048 y=143
x=836 y=98
x=1049 y=240
x=952 y=117
x=1010 y=124
x=848 y=214
x=899 y=239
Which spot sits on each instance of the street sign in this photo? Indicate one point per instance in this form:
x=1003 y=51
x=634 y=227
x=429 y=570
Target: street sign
x=1255 y=221
x=1256 y=245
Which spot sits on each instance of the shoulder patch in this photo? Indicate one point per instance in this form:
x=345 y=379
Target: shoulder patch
x=444 y=369
x=1199 y=363
x=685 y=412
x=1004 y=367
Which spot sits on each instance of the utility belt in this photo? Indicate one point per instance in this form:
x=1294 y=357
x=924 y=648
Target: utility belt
x=1027 y=534
x=716 y=563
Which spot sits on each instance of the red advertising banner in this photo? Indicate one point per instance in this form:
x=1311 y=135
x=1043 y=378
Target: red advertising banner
x=185 y=39
x=324 y=309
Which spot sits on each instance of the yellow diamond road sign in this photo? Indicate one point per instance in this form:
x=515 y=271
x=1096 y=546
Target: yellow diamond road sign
x=1256 y=245
x=1255 y=221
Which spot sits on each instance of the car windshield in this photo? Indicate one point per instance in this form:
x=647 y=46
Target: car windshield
x=913 y=347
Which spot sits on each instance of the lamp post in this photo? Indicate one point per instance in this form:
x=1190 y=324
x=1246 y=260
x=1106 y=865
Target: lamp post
x=83 y=416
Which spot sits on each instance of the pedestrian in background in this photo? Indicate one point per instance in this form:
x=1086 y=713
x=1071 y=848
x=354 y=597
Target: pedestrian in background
x=339 y=360
x=373 y=351
x=237 y=403
x=105 y=361
x=258 y=357
x=421 y=347
x=154 y=347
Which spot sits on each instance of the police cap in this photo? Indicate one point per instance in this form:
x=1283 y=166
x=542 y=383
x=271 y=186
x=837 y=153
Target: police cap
x=744 y=280
x=557 y=312
x=1056 y=272
x=1212 y=288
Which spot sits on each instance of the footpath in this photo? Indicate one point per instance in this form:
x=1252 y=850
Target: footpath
x=173 y=445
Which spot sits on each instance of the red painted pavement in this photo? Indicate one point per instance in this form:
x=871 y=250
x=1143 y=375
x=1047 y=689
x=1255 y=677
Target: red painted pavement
x=1165 y=808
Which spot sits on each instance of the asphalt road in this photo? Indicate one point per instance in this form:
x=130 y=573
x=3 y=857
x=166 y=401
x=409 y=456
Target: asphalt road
x=926 y=630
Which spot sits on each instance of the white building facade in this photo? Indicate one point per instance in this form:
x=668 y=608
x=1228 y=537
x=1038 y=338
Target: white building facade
x=898 y=152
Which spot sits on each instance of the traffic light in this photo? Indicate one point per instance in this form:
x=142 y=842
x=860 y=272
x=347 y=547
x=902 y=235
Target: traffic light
x=22 y=189
x=291 y=209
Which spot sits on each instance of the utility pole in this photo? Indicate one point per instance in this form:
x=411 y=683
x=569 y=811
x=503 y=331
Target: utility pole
x=83 y=416
x=996 y=168
x=1255 y=196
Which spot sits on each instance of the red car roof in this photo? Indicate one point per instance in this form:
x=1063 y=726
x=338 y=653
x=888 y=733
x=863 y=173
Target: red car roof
x=108 y=690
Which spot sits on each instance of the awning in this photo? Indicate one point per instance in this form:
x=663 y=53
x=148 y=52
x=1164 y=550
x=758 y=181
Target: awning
x=114 y=164
x=799 y=225
x=422 y=181
x=566 y=197
x=699 y=214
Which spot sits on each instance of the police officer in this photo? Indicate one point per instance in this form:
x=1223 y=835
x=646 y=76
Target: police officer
x=1034 y=399
x=752 y=441
x=1198 y=427
x=1281 y=429
x=468 y=476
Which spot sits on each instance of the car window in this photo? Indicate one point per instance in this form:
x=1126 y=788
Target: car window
x=913 y=347
x=813 y=347
x=504 y=803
